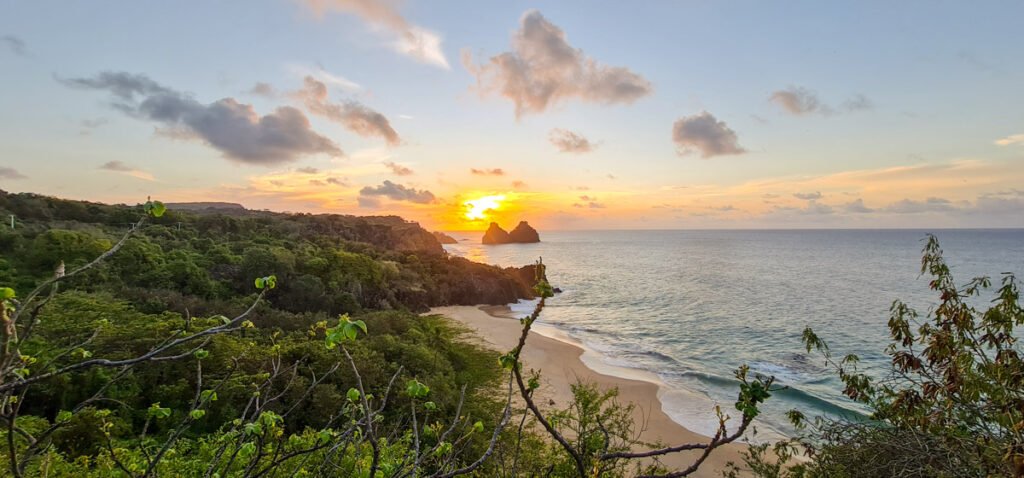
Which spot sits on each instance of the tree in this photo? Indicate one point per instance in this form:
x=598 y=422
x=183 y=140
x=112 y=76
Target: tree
x=951 y=404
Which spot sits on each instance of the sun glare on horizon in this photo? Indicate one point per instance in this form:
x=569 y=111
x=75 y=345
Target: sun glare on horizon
x=477 y=209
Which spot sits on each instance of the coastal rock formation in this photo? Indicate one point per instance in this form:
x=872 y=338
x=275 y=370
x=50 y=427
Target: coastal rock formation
x=444 y=238
x=523 y=233
x=496 y=235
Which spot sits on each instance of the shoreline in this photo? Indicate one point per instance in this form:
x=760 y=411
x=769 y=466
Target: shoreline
x=563 y=362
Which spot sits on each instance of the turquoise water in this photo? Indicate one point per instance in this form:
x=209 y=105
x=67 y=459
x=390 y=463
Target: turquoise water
x=691 y=306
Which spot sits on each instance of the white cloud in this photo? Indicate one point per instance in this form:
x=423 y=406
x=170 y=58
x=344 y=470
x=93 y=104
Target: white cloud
x=408 y=39
x=324 y=76
x=543 y=69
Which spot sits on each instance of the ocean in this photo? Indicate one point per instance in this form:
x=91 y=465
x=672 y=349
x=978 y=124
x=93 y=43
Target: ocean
x=689 y=307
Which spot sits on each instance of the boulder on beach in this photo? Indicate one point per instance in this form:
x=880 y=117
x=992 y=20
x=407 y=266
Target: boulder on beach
x=496 y=235
x=523 y=233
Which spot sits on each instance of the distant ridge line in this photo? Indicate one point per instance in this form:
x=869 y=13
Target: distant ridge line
x=202 y=206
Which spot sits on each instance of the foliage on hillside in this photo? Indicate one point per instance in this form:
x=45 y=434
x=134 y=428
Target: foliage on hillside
x=327 y=263
x=260 y=345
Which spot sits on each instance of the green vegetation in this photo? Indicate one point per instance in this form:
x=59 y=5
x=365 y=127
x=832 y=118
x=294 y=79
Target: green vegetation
x=259 y=344
x=140 y=341
x=952 y=404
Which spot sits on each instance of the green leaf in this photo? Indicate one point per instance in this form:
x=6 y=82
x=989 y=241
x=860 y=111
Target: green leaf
x=507 y=361
x=325 y=436
x=154 y=208
x=361 y=325
x=208 y=395
x=158 y=412
x=6 y=293
x=478 y=427
x=63 y=416
x=260 y=282
x=201 y=354
x=197 y=414
x=253 y=428
x=416 y=389
x=158 y=209
x=352 y=395
x=82 y=353
x=430 y=406
x=247 y=449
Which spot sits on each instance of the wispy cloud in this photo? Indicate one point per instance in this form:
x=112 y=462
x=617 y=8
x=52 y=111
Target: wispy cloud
x=14 y=44
x=487 y=172
x=10 y=173
x=808 y=196
x=799 y=101
x=931 y=204
x=88 y=125
x=705 y=134
x=1011 y=139
x=407 y=38
x=122 y=168
x=398 y=169
x=543 y=69
x=566 y=141
x=262 y=89
x=324 y=76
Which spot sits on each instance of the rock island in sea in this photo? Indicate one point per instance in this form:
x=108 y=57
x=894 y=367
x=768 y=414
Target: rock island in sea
x=522 y=234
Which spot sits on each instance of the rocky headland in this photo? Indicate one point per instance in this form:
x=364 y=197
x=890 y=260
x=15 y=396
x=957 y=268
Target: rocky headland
x=444 y=238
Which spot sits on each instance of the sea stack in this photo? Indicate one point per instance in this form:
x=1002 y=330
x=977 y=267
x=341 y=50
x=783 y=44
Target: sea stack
x=523 y=233
x=496 y=235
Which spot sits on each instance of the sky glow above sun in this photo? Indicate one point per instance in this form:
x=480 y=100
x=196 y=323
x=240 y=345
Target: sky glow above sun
x=650 y=115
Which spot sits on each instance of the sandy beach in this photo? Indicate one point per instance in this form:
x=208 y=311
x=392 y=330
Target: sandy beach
x=561 y=365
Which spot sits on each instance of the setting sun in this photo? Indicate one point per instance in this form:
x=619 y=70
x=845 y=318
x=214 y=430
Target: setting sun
x=477 y=209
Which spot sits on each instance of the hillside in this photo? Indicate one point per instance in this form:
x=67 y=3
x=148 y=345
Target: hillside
x=335 y=262
x=185 y=273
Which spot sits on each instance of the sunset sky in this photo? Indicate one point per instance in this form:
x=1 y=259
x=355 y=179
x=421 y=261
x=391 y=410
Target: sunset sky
x=571 y=115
